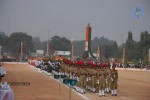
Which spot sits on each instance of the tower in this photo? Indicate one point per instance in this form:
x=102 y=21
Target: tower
x=88 y=50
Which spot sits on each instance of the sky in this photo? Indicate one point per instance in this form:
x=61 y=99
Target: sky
x=68 y=18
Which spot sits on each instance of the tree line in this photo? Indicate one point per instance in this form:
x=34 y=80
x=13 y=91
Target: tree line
x=135 y=50
x=138 y=50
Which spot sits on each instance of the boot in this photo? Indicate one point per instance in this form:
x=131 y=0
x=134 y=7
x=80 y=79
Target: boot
x=93 y=89
x=115 y=92
x=100 y=93
x=112 y=92
x=107 y=90
x=82 y=91
x=103 y=93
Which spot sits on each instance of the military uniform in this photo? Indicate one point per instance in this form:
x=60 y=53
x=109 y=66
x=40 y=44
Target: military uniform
x=94 y=81
x=101 y=80
x=78 y=80
x=82 y=82
x=114 y=80
x=89 y=82
x=108 y=77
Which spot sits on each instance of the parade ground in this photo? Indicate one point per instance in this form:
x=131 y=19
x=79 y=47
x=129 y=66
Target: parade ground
x=132 y=85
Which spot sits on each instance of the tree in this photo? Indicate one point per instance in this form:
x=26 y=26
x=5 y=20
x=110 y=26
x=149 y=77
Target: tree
x=129 y=41
x=144 y=45
x=59 y=44
x=4 y=41
x=15 y=41
x=144 y=39
x=37 y=43
x=115 y=49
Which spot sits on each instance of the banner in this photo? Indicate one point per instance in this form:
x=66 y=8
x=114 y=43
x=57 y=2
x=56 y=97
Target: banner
x=62 y=53
x=40 y=52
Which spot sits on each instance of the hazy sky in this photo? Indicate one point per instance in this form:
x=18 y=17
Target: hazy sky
x=68 y=18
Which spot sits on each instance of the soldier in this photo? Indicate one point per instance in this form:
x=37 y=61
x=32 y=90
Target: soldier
x=101 y=80
x=82 y=82
x=94 y=81
x=114 y=80
x=85 y=82
x=108 y=73
x=78 y=80
x=88 y=79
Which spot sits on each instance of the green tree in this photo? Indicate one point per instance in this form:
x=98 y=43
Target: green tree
x=115 y=49
x=144 y=46
x=129 y=41
x=37 y=43
x=4 y=41
x=15 y=42
x=60 y=44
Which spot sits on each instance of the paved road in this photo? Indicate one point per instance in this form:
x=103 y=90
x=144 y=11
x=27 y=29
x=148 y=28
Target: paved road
x=133 y=85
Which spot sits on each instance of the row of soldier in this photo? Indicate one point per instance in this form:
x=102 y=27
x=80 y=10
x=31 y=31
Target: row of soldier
x=101 y=79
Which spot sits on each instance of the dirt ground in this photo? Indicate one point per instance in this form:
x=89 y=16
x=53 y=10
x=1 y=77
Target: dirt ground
x=132 y=85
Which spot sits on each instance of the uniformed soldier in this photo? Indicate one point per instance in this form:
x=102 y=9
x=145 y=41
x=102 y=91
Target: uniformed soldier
x=94 y=81
x=78 y=80
x=108 y=76
x=88 y=86
x=82 y=82
x=114 y=80
x=101 y=79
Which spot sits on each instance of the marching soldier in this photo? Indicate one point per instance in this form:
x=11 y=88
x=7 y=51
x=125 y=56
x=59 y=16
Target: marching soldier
x=88 y=79
x=82 y=82
x=114 y=80
x=94 y=81
x=78 y=80
x=108 y=76
x=101 y=80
